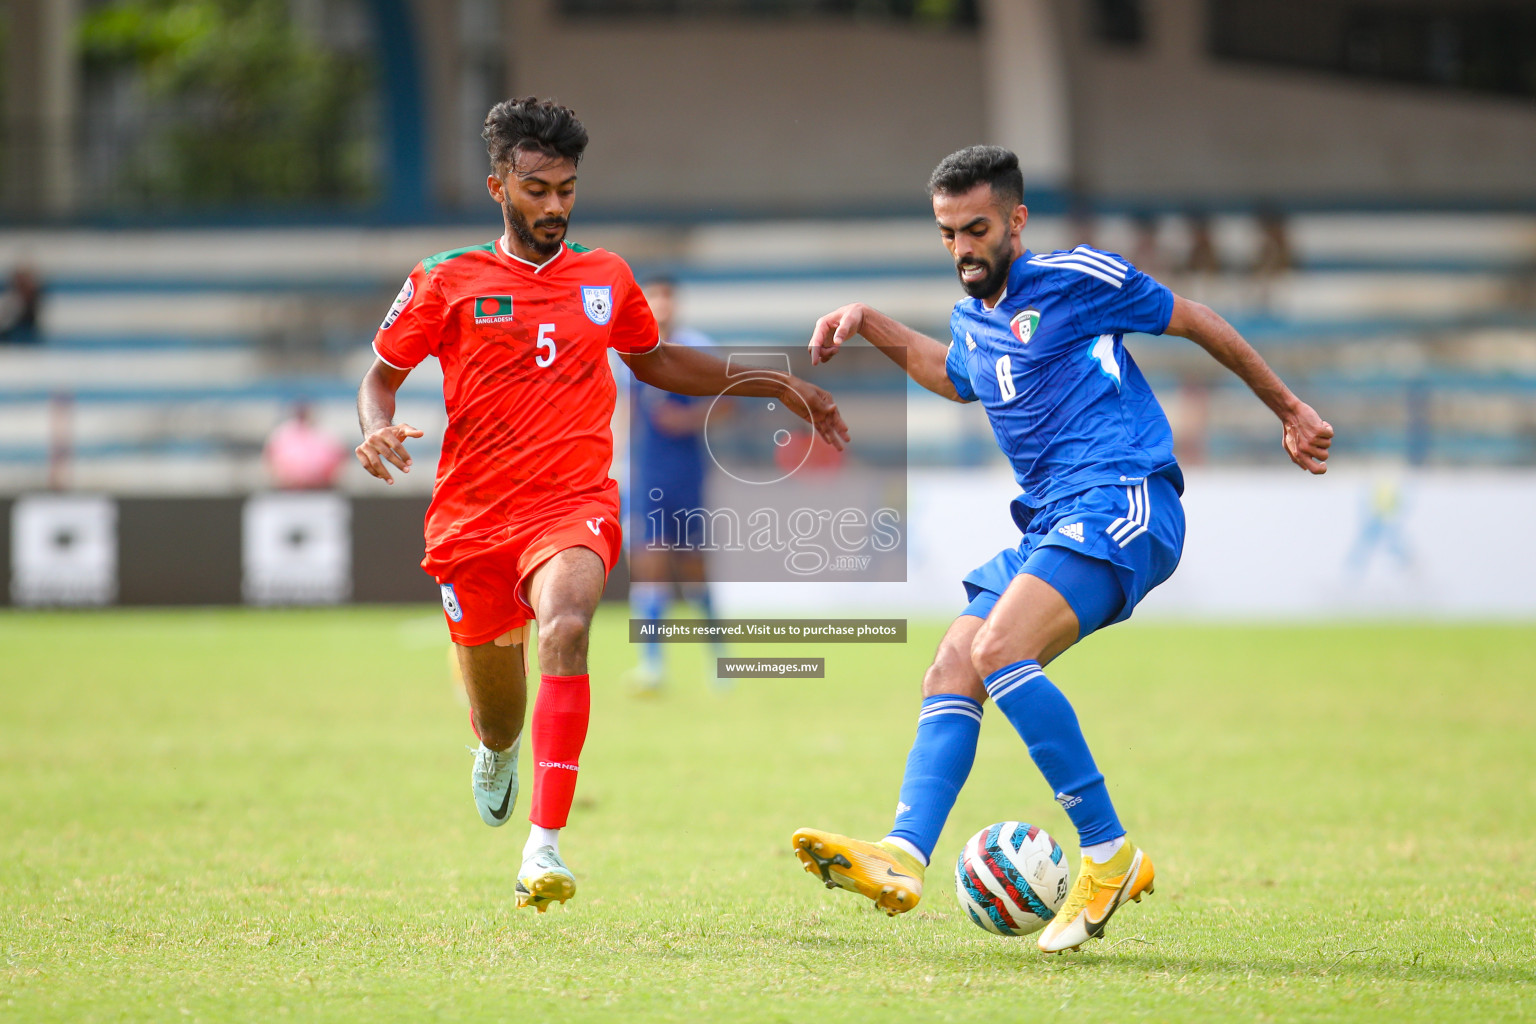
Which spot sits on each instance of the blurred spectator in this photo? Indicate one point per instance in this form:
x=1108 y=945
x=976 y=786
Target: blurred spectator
x=792 y=455
x=667 y=482
x=1274 y=259
x=1202 y=257
x=1146 y=251
x=1081 y=222
x=300 y=456
x=18 y=308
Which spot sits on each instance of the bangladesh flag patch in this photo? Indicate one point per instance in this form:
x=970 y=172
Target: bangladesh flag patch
x=493 y=309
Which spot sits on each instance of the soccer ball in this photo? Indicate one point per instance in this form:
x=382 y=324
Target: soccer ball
x=1011 y=878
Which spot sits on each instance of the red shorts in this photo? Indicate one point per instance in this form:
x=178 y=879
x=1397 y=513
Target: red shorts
x=485 y=595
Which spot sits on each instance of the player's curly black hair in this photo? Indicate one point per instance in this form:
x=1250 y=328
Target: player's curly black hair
x=964 y=169
x=534 y=125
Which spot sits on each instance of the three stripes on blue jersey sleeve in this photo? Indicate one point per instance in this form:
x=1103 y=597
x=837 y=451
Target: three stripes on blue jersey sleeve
x=1085 y=261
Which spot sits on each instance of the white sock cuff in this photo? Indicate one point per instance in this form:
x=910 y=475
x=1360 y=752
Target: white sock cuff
x=903 y=844
x=1099 y=853
x=1003 y=682
x=539 y=836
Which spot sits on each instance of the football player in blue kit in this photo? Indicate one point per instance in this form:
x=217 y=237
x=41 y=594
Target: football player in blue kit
x=1039 y=343
x=666 y=484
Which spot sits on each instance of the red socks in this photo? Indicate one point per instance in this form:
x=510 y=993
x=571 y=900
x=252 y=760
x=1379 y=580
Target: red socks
x=559 y=729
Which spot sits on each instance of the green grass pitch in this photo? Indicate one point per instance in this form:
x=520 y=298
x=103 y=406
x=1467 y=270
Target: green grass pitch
x=245 y=815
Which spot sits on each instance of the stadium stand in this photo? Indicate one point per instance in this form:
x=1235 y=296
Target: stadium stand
x=167 y=356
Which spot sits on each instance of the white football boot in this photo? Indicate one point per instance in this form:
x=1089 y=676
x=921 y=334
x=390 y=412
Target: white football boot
x=644 y=681
x=494 y=782
x=544 y=879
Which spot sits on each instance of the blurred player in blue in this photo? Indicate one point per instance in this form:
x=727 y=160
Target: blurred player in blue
x=1039 y=343
x=668 y=459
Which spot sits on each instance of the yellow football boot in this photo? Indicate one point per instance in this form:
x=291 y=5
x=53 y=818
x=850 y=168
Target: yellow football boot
x=1099 y=891
x=887 y=874
x=544 y=879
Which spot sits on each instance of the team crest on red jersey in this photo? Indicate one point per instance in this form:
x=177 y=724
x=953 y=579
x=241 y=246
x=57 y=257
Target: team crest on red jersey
x=598 y=302
x=493 y=309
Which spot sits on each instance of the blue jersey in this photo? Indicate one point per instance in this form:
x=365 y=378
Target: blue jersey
x=673 y=462
x=1068 y=405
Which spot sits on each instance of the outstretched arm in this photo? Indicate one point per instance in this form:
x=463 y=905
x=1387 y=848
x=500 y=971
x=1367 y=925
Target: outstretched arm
x=1306 y=435
x=690 y=371
x=919 y=355
x=383 y=440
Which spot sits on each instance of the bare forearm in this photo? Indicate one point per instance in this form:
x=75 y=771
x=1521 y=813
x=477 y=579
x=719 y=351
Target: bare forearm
x=383 y=439
x=1306 y=435
x=375 y=409
x=689 y=371
x=376 y=397
x=1211 y=332
x=920 y=356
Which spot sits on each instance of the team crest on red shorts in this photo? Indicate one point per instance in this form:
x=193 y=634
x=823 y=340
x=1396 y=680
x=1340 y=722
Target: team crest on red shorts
x=451 y=603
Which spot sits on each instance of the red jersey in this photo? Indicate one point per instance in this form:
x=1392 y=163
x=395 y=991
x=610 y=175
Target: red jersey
x=530 y=396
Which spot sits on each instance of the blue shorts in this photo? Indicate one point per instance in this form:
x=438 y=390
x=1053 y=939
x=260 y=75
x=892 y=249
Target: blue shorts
x=1102 y=550
x=660 y=512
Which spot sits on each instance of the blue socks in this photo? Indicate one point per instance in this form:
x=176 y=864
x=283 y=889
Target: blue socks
x=649 y=601
x=945 y=749
x=937 y=767
x=1048 y=726
x=700 y=595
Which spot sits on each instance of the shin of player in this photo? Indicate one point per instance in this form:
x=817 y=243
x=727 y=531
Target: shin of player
x=564 y=593
x=564 y=702
x=997 y=649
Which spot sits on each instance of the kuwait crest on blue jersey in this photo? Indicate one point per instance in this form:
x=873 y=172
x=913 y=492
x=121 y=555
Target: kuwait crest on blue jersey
x=1024 y=325
x=598 y=303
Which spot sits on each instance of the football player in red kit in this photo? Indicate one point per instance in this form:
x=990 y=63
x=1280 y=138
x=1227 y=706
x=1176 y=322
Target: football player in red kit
x=524 y=519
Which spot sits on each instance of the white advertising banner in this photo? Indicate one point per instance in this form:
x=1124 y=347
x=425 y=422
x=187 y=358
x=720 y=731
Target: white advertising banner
x=1261 y=544
x=296 y=548
x=63 y=550
x=1356 y=544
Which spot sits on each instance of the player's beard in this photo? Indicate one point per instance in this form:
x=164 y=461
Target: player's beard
x=525 y=232
x=996 y=265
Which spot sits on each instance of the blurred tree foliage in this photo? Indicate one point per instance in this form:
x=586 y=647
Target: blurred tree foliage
x=238 y=106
